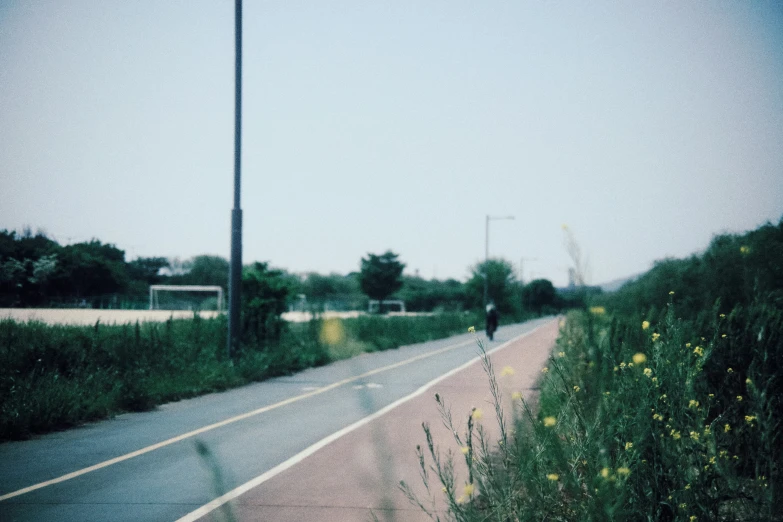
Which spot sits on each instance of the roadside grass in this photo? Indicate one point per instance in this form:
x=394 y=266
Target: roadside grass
x=639 y=418
x=56 y=376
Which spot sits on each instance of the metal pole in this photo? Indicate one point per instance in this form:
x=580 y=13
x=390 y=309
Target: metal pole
x=486 y=263
x=235 y=273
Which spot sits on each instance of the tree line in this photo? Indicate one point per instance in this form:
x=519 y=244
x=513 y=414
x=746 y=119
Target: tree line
x=36 y=271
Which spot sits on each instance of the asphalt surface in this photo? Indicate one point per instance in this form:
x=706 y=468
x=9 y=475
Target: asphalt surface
x=287 y=416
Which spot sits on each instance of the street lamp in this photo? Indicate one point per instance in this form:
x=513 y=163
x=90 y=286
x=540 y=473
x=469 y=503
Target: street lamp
x=235 y=270
x=486 y=255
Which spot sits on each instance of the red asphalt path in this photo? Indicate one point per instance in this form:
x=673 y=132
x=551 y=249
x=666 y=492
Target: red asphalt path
x=360 y=471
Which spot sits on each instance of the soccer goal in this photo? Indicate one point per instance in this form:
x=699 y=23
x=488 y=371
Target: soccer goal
x=185 y=297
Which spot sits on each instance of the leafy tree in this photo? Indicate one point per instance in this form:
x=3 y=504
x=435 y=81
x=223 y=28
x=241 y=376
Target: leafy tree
x=538 y=295
x=264 y=295
x=147 y=269
x=203 y=270
x=502 y=285
x=89 y=271
x=421 y=295
x=381 y=276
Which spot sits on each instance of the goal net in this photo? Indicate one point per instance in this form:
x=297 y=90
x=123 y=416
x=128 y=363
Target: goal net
x=186 y=297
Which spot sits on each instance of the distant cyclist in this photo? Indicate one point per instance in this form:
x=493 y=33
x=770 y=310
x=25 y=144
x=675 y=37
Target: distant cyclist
x=492 y=320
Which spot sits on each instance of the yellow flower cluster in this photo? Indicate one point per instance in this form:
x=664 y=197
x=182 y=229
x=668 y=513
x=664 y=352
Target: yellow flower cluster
x=750 y=418
x=544 y=370
x=693 y=404
x=597 y=310
x=698 y=351
x=628 y=445
x=507 y=370
x=623 y=471
x=639 y=358
x=744 y=250
x=553 y=477
x=655 y=337
x=645 y=325
x=549 y=421
x=648 y=372
x=471 y=329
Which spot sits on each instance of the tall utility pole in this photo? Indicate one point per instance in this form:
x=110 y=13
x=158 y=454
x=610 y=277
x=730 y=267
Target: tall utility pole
x=235 y=273
x=486 y=255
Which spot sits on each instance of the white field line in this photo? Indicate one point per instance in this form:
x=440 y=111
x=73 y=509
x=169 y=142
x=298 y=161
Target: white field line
x=225 y=422
x=299 y=457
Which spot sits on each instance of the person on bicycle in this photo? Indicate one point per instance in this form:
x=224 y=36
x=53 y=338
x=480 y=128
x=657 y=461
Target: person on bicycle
x=492 y=319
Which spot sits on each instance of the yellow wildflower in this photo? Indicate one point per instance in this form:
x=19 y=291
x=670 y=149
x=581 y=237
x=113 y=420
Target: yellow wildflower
x=477 y=414
x=628 y=445
x=597 y=310
x=468 y=491
x=605 y=472
x=549 y=421
x=694 y=435
x=687 y=486
x=645 y=325
x=675 y=435
x=516 y=396
x=748 y=381
x=576 y=389
x=507 y=370
x=687 y=345
x=671 y=292
x=726 y=428
x=639 y=358
x=623 y=365
x=544 y=370
x=471 y=329
x=744 y=250
x=693 y=404
x=623 y=471
x=561 y=354
x=648 y=372
x=722 y=316
x=465 y=450
x=693 y=518
x=730 y=370
x=698 y=351
x=553 y=476
x=750 y=418
x=739 y=398
x=655 y=336
x=723 y=336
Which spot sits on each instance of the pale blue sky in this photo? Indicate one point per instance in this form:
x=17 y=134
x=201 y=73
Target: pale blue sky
x=647 y=127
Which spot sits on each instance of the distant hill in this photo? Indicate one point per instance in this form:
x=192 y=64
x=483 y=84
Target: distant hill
x=613 y=286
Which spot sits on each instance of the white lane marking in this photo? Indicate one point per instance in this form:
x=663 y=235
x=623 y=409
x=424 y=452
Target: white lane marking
x=231 y=420
x=299 y=457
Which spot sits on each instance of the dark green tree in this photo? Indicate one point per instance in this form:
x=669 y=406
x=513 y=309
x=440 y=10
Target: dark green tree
x=147 y=269
x=264 y=295
x=502 y=285
x=381 y=276
x=539 y=295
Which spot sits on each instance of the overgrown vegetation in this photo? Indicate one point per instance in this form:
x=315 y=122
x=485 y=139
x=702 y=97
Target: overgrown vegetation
x=58 y=376
x=663 y=402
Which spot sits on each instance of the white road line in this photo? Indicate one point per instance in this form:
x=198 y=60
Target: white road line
x=225 y=422
x=299 y=457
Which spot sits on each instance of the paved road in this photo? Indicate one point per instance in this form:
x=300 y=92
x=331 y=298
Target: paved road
x=250 y=431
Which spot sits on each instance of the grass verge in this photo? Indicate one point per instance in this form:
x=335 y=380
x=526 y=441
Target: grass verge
x=53 y=377
x=653 y=418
